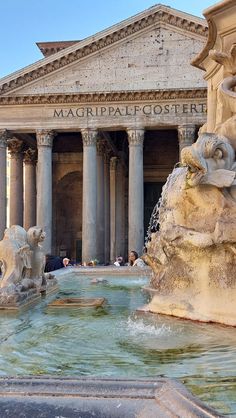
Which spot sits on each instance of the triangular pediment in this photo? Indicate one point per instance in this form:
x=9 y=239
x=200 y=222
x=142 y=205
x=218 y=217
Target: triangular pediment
x=134 y=54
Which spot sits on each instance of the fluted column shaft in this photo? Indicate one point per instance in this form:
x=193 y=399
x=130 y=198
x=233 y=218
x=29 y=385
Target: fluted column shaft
x=44 y=185
x=100 y=202
x=3 y=176
x=113 y=194
x=120 y=209
x=29 y=188
x=16 y=181
x=107 y=207
x=89 y=216
x=186 y=136
x=136 y=205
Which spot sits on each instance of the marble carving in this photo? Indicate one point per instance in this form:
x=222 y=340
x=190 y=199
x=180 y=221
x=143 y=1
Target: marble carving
x=22 y=263
x=191 y=245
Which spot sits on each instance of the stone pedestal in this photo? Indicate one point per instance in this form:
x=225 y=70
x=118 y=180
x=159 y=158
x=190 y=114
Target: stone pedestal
x=198 y=286
x=3 y=170
x=136 y=204
x=29 y=188
x=89 y=218
x=44 y=185
x=186 y=136
x=16 y=181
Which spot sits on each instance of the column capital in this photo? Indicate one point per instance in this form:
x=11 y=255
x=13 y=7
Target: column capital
x=4 y=135
x=15 y=146
x=135 y=136
x=89 y=137
x=30 y=156
x=100 y=147
x=107 y=156
x=45 y=137
x=186 y=134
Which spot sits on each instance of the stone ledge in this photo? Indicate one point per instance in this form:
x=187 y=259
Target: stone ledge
x=104 y=271
x=49 y=397
x=23 y=300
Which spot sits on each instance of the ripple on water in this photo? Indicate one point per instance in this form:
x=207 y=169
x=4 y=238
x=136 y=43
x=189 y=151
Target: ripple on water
x=114 y=341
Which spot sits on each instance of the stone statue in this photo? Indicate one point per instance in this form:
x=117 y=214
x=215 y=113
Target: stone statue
x=193 y=254
x=191 y=242
x=15 y=256
x=35 y=236
x=22 y=262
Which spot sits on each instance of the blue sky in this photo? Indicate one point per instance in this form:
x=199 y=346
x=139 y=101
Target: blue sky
x=24 y=22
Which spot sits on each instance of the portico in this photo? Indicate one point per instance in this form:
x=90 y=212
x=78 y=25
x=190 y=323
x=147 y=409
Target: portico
x=108 y=180
x=87 y=162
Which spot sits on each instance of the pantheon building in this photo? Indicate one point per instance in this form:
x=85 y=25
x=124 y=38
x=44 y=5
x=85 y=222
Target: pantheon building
x=94 y=128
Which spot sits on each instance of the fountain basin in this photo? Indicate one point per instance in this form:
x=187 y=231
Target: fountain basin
x=96 y=397
x=114 y=342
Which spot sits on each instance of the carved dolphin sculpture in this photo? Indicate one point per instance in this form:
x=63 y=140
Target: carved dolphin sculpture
x=210 y=160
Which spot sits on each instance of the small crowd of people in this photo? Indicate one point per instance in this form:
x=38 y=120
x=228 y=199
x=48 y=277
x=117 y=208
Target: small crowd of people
x=134 y=260
x=55 y=262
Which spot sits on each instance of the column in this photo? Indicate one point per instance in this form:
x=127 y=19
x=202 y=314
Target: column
x=89 y=216
x=120 y=209
x=186 y=136
x=3 y=181
x=136 y=205
x=29 y=188
x=107 y=206
x=113 y=169
x=100 y=202
x=44 y=185
x=16 y=181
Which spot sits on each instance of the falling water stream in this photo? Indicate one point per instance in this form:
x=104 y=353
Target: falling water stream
x=115 y=340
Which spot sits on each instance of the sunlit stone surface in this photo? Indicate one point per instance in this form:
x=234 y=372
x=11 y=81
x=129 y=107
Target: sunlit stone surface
x=193 y=252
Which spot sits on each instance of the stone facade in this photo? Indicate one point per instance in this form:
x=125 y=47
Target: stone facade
x=108 y=116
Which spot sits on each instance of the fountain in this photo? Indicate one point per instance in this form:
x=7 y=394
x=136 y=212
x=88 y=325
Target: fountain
x=191 y=248
x=193 y=252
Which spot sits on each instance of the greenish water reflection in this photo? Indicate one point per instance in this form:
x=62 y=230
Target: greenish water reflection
x=114 y=341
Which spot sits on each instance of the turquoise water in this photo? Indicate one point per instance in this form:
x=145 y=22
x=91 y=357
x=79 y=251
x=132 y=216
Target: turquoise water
x=115 y=341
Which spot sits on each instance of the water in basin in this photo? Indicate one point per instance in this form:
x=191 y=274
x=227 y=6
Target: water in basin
x=113 y=340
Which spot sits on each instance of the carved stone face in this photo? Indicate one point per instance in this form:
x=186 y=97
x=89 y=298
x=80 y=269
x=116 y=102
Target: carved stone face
x=40 y=235
x=209 y=153
x=35 y=235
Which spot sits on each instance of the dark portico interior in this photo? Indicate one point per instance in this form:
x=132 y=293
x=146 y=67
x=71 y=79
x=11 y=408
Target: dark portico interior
x=161 y=152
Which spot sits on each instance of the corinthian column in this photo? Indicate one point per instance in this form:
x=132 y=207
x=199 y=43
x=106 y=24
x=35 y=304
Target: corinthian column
x=16 y=181
x=107 y=205
x=186 y=136
x=44 y=185
x=100 y=202
x=113 y=195
x=29 y=188
x=89 y=216
x=136 y=228
x=3 y=176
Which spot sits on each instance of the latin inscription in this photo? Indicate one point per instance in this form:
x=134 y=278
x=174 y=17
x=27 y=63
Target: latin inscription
x=146 y=110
